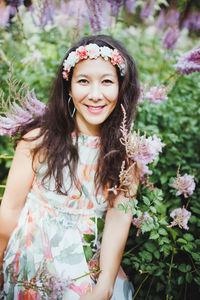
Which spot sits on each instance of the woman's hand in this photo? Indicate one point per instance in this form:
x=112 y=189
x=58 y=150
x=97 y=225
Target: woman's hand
x=101 y=291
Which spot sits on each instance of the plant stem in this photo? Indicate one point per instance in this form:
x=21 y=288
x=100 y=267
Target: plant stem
x=170 y=272
x=141 y=284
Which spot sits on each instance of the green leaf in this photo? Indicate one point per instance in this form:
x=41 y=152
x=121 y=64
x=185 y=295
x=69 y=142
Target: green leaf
x=184 y=268
x=152 y=208
x=189 y=277
x=120 y=207
x=154 y=235
x=88 y=252
x=146 y=200
x=100 y=225
x=162 y=231
x=189 y=237
x=181 y=241
x=150 y=246
x=180 y=280
x=88 y=237
x=156 y=254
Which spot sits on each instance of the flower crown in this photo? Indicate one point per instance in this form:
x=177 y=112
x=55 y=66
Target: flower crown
x=93 y=51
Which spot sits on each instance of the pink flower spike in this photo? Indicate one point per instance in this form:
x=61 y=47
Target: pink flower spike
x=137 y=222
x=157 y=94
x=189 y=62
x=184 y=184
x=181 y=217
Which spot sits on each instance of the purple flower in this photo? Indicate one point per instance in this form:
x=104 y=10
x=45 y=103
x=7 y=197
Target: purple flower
x=184 y=184
x=157 y=94
x=116 y=6
x=192 y=22
x=20 y=116
x=189 y=62
x=138 y=222
x=171 y=36
x=181 y=217
x=130 y=6
x=4 y=14
x=147 y=9
x=43 y=13
x=161 y=21
x=172 y=17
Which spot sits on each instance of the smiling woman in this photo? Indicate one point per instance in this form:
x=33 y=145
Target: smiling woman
x=94 y=90
x=58 y=183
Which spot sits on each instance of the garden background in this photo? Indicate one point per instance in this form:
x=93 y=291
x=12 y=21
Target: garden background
x=162 y=262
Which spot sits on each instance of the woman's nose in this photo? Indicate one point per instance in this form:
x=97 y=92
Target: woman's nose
x=95 y=92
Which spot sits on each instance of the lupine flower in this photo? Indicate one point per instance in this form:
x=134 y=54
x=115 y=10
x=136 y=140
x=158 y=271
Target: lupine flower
x=147 y=9
x=116 y=6
x=157 y=94
x=171 y=36
x=4 y=14
x=161 y=21
x=138 y=222
x=192 y=22
x=172 y=17
x=42 y=12
x=184 y=184
x=181 y=217
x=189 y=62
x=130 y=6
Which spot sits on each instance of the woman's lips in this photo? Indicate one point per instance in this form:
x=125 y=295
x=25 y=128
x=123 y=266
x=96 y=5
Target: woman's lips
x=95 y=109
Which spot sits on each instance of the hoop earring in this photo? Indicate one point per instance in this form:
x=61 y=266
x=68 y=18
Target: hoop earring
x=74 y=110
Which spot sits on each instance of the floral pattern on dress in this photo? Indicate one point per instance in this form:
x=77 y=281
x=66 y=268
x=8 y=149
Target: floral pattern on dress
x=48 y=239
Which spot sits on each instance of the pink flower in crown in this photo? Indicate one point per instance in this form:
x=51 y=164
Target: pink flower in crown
x=65 y=74
x=81 y=52
x=116 y=58
x=92 y=51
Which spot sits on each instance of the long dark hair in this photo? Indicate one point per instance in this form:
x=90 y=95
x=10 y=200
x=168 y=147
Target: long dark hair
x=56 y=125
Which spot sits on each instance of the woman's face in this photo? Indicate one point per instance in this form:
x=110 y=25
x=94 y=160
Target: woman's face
x=94 y=90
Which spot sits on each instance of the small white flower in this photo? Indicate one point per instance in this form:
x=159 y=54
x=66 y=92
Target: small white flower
x=93 y=51
x=106 y=52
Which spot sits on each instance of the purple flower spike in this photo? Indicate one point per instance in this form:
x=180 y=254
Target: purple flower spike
x=181 y=217
x=18 y=116
x=34 y=106
x=116 y=6
x=171 y=36
x=4 y=14
x=161 y=21
x=147 y=9
x=184 y=184
x=130 y=6
x=189 y=62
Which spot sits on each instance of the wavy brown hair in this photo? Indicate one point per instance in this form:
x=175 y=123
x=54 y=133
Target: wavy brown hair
x=56 y=125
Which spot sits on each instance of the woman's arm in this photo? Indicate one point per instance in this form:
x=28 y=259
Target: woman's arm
x=18 y=184
x=116 y=229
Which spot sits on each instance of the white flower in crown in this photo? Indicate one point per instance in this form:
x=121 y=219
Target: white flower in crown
x=71 y=61
x=93 y=51
x=106 y=52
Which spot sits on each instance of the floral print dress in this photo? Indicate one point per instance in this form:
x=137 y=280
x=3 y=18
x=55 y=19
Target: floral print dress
x=45 y=256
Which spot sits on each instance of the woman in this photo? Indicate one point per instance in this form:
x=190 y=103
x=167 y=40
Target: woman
x=64 y=163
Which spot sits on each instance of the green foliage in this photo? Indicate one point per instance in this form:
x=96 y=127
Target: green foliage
x=160 y=259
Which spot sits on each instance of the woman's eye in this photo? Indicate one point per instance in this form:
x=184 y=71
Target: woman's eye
x=107 y=81
x=83 y=81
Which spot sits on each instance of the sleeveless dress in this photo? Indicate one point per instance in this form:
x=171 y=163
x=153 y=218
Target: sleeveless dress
x=45 y=257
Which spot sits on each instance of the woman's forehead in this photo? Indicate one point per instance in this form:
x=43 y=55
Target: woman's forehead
x=95 y=66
